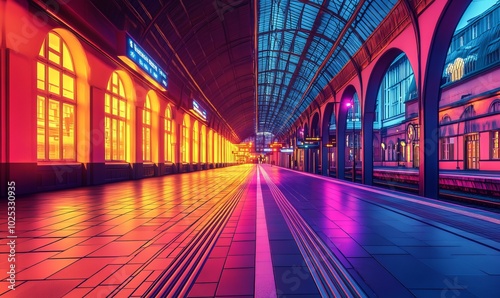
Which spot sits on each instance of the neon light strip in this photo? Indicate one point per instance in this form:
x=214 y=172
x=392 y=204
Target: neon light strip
x=264 y=275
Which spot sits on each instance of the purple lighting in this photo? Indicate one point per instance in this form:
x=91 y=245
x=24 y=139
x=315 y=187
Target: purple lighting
x=348 y=104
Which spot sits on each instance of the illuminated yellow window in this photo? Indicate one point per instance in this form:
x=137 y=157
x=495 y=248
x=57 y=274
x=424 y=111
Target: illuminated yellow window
x=56 y=101
x=185 y=139
x=115 y=122
x=216 y=147
x=196 y=144
x=169 y=136
x=495 y=151
x=146 y=130
x=203 y=147
x=210 y=146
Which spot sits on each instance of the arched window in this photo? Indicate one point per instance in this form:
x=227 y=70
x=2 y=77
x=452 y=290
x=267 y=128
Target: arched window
x=115 y=123
x=224 y=149
x=445 y=119
x=185 y=138
x=196 y=142
x=169 y=135
x=203 y=147
x=210 y=146
x=396 y=87
x=356 y=108
x=56 y=101
x=146 y=130
x=216 y=147
x=495 y=106
x=468 y=112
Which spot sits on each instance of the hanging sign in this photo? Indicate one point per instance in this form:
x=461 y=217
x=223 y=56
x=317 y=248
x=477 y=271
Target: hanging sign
x=198 y=110
x=135 y=53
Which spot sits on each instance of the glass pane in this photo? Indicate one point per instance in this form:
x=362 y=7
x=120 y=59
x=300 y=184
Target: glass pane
x=114 y=106
x=54 y=130
x=40 y=72
x=54 y=42
x=107 y=137
x=147 y=117
x=123 y=109
x=67 y=60
x=146 y=147
x=68 y=87
x=107 y=103
x=55 y=57
x=41 y=127
x=42 y=49
x=68 y=131
x=166 y=149
x=122 y=140
x=121 y=90
x=54 y=80
x=114 y=139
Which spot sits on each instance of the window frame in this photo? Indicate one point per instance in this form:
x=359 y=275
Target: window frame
x=147 y=113
x=45 y=64
x=116 y=119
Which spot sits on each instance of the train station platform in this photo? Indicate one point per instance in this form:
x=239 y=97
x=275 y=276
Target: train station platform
x=250 y=231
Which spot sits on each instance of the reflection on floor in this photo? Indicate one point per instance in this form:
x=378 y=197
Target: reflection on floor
x=249 y=231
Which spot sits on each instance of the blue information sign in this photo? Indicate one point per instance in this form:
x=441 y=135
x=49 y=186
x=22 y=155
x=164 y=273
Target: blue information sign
x=199 y=110
x=142 y=59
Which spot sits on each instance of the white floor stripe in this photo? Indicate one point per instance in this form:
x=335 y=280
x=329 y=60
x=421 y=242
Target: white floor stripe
x=264 y=275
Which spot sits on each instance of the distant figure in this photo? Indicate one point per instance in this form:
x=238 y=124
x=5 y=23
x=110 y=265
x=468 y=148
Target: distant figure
x=272 y=163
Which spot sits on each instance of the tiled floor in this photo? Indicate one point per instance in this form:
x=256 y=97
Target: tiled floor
x=196 y=234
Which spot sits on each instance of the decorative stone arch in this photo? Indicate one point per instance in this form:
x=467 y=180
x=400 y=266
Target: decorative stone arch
x=443 y=32
x=376 y=76
x=325 y=135
x=315 y=125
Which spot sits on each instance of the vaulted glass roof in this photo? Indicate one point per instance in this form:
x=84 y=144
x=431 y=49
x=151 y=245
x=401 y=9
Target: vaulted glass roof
x=256 y=66
x=302 y=45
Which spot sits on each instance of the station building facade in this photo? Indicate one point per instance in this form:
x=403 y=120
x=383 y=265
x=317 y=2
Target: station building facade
x=74 y=112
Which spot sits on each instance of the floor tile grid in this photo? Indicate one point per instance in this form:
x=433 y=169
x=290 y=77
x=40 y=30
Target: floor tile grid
x=479 y=221
x=292 y=276
x=330 y=276
x=225 y=262
x=428 y=271
x=442 y=219
x=54 y=267
x=428 y=218
x=193 y=250
x=172 y=252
